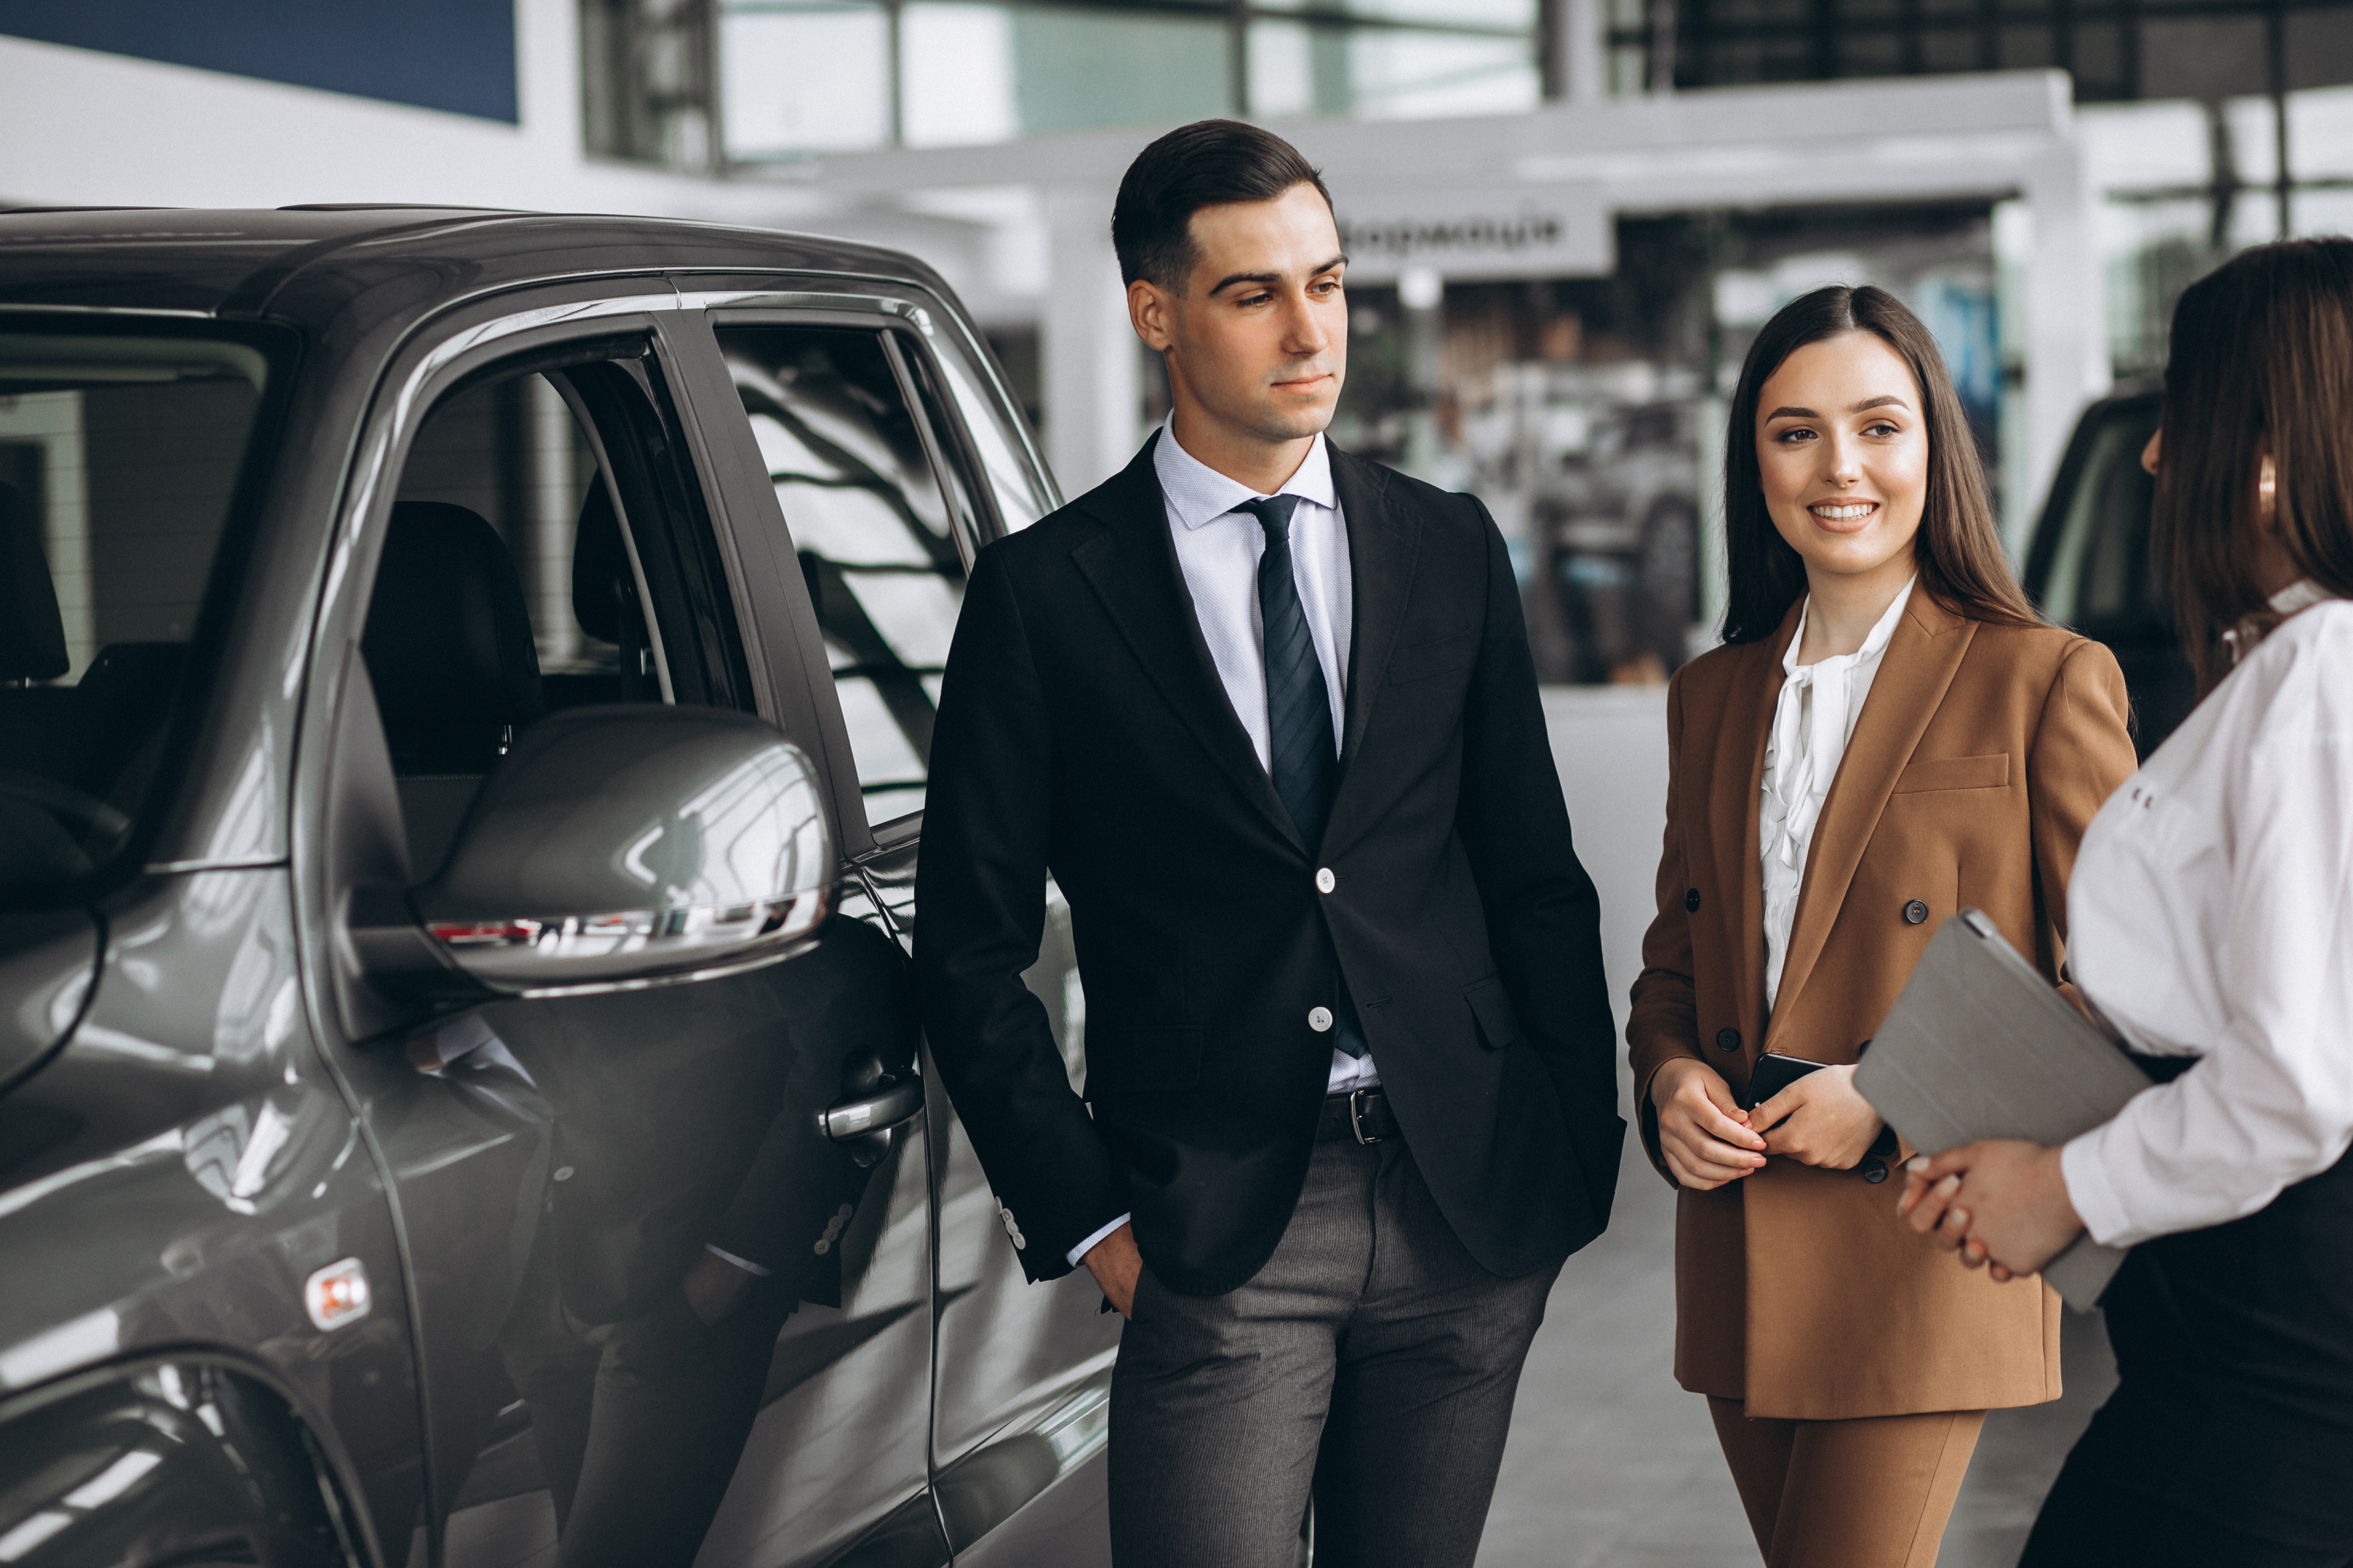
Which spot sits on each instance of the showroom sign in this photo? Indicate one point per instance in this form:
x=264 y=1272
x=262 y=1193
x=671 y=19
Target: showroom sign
x=1505 y=231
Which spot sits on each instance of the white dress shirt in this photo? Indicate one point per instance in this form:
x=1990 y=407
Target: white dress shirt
x=1219 y=548
x=1812 y=721
x=2211 y=915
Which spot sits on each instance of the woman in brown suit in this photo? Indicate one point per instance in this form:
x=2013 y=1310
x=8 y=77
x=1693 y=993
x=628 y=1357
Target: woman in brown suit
x=1890 y=734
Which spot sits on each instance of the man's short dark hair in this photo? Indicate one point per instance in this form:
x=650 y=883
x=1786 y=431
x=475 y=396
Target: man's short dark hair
x=1205 y=165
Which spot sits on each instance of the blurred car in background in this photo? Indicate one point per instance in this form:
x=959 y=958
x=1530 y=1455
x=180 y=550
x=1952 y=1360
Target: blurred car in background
x=2089 y=567
x=1615 y=535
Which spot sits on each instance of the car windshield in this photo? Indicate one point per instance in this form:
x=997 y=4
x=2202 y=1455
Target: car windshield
x=119 y=455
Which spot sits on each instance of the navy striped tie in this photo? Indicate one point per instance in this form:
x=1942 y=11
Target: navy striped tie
x=1302 y=752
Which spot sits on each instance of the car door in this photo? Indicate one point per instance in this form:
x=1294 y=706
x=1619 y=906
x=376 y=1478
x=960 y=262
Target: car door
x=875 y=425
x=659 y=1310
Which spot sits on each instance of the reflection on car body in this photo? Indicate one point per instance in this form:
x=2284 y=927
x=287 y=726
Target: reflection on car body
x=468 y=681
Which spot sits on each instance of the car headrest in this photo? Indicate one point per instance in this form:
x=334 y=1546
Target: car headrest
x=32 y=632
x=602 y=582
x=448 y=643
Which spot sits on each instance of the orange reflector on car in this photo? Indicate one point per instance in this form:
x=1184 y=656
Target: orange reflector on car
x=337 y=1294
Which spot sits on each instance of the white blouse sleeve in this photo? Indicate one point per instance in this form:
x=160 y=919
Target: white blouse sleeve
x=2271 y=1102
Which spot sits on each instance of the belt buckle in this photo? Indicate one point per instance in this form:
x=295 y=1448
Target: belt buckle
x=1357 y=1116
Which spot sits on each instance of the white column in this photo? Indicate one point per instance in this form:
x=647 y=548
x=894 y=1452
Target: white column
x=2066 y=324
x=1582 y=50
x=1088 y=353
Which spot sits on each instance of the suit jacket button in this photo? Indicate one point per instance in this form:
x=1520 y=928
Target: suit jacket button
x=1325 y=880
x=1915 y=912
x=1691 y=900
x=1874 y=1171
x=1319 y=1019
x=1727 y=1039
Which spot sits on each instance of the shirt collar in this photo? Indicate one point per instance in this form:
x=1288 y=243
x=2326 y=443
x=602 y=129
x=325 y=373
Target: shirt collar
x=1881 y=633
x=2300 y=595
x=1198 y=494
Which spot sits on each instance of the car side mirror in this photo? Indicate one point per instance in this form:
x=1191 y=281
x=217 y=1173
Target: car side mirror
x=632 y=844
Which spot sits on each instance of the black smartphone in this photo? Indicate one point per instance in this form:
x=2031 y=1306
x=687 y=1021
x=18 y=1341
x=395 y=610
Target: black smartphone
x=1772 y=1073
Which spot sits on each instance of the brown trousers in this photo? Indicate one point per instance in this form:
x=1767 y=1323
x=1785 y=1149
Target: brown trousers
x=1869 y=1493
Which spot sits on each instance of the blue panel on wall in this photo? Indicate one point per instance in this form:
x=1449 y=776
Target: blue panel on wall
x=454 y=54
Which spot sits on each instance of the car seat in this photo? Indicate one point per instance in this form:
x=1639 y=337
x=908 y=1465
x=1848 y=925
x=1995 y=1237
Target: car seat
x=449 y=651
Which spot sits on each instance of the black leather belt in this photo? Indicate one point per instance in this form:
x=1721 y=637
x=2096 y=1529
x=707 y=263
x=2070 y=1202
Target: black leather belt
x=1360 y=1116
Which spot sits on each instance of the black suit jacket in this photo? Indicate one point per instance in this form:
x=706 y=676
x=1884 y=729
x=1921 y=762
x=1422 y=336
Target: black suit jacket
x=1082 y=727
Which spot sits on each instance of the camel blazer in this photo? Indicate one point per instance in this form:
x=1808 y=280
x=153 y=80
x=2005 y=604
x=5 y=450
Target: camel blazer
x=1977 y=760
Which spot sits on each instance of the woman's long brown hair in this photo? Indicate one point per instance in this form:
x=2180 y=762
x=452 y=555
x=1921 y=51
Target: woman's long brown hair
x=2260 y=364
x=1958 y=548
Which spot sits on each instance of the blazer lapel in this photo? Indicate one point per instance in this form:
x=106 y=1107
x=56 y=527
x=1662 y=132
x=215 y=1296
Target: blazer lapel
x=1383 y=546
x=1131 y=565
x=1738 y=785
x=1919 y=665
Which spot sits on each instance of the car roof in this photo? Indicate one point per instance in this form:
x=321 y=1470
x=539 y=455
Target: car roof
x=307 y=264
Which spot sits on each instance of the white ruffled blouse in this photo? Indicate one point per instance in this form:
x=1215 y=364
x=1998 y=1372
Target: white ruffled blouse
x=1812 y=721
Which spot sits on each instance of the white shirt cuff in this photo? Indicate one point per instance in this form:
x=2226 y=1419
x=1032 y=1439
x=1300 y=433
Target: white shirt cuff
x=745 y=1264
x=1090 y=1243
x=2096 y=1198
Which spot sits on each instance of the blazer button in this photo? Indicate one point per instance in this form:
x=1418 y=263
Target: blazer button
x=1691 y=900
x=1874 y=1171
x=1325 y=880
x=1319 y=1019
x=1915 y=912
x=1727 y=1039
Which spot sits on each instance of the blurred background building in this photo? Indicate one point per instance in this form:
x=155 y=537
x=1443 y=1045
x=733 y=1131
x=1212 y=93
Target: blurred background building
x=1568 y=217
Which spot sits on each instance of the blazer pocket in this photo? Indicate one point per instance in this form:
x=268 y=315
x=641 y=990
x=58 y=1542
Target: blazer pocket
x=1956 y=773
x=1420 y=660
x=1491 y=1010
x=1138 y=1061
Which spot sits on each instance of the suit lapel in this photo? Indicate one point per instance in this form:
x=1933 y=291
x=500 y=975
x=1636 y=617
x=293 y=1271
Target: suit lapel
x=1132 y=566
x=1919 y=665
x=1384 y=544
x=1738 y=781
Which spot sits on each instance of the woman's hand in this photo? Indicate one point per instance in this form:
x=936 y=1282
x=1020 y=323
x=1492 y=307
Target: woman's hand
x=1820 y=1120
x=2001 y=1201
x=1703 y=1131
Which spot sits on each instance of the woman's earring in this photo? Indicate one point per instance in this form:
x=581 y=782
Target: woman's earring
x=2267 y=486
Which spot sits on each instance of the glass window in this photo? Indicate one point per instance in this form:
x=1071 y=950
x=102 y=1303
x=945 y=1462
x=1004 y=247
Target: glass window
x=871 y=525
x=1402 y=74
x=955 y=74
x=1020 y=497
x=803 y=78
x=120 y=455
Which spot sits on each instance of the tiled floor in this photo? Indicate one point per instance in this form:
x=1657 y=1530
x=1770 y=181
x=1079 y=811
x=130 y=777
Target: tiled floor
x=1611 y=1464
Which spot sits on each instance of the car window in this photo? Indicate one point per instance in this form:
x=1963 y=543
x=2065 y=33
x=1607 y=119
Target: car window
x=2101 y=576
x=545 y=550
x=1021 y=500
x=874 y=527
x=121 y=457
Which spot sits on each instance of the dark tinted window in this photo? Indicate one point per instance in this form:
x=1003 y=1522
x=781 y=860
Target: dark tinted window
x=120 y=455
x=2099 y=575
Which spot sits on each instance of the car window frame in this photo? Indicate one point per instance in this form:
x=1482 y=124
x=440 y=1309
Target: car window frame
x=974 y=520
x=336 y=795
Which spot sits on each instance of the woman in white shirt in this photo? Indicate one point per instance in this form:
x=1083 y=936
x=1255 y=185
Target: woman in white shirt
x=2213 y=921
x=1890 y=734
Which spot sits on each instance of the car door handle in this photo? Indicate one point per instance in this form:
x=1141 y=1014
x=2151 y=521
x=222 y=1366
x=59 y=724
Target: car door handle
x=886 y=1106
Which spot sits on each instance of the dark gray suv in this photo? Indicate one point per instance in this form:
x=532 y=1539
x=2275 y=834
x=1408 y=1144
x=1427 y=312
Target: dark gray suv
x=466 y=683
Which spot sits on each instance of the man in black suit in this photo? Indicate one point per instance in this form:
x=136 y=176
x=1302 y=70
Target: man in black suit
x=1267 y=713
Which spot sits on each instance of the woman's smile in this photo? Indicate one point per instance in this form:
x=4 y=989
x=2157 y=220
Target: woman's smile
x=1847 y=510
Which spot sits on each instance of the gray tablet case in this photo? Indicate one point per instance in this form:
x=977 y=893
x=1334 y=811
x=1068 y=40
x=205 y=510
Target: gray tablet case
x=1982 y=1045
